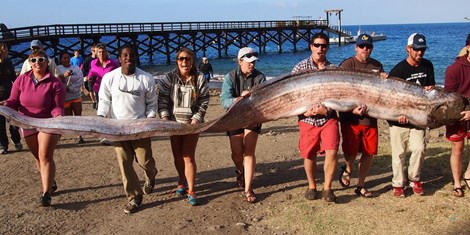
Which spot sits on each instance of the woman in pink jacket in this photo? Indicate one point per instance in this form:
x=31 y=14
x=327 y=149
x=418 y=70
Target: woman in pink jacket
x=100 y=66
x=39 y=94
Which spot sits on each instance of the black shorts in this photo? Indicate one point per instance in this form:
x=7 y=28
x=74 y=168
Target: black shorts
x=90 y=84
x=256 y=129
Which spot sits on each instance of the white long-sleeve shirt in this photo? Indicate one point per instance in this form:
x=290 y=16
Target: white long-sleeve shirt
x=127 y=96
x=73 y=82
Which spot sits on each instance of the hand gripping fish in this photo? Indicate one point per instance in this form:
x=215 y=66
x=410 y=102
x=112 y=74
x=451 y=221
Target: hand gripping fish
x=285 y=96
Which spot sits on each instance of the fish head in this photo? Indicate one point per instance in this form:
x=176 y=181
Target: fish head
x=448 y=112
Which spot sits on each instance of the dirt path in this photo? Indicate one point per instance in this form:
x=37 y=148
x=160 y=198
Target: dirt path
x=90 y=196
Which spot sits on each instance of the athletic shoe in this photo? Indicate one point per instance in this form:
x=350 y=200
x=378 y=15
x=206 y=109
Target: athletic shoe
x=104 y=141
x=182 y=189
x=417 y=188
x=192 y=199
x=18 y=146
x=398 y=192
x=148 y=186
x=4 y=151
x=53 y=187
x=45 y=199
x=131 y=207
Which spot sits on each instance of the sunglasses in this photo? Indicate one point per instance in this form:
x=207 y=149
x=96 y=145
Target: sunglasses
x=183 y=58
x=419 y=49
x=366 y=46
x=39 y=59
x=249 y=55
x=132 y=91
x=320 y=45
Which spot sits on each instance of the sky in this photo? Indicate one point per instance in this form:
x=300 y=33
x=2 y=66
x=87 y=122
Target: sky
x=23 y=13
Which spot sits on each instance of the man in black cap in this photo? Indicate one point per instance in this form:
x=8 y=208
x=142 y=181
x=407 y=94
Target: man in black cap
x=359 y=131
x=414 y=69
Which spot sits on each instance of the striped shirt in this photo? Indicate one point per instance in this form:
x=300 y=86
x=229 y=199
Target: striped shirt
x=309 y=64
x=183 y=101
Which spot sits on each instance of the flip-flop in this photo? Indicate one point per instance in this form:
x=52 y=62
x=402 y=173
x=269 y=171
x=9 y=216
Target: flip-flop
x=240 y=178
x=458 y=192
x=344 y=175
x=250 y=196
x=366 y=194
x=466 y=182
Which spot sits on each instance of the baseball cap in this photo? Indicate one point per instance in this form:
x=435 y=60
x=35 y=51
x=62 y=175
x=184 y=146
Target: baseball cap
x=247 y=54
x=417 y=41
x=364 y=39
x=204 y=58
x=36 y=43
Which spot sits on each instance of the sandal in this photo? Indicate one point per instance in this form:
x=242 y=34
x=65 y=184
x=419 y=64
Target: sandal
x=240 y=178
x=458 y=192
x=360 y=193
x=311 y=194
x=328 y=195
x=250 y=196
x=345 y=176
x=467 y=182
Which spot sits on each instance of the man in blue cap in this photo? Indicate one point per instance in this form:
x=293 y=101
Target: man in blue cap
x=36 y=45
x=404 y=136
x=359 y=131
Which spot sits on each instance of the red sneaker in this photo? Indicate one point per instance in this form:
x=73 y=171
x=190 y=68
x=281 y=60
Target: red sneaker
x=398 y=192
x=417 y=188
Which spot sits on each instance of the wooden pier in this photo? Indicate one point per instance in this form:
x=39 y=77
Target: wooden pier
x=158 y=42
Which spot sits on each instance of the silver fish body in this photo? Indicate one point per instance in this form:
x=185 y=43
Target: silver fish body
x=343 y=90
x=285 y=96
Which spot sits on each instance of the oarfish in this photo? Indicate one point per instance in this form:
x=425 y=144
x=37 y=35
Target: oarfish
x=285 y=96
x=343 y=90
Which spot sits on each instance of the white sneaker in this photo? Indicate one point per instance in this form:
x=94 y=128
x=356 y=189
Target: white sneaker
x=104 y=141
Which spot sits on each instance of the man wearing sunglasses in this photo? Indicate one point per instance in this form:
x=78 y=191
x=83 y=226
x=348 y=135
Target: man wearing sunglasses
x=36 y=45
x=359 y=131
x=414 y=69
x=128 y=93
x=319 y=131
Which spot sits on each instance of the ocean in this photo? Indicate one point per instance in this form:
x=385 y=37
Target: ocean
x=445 y=40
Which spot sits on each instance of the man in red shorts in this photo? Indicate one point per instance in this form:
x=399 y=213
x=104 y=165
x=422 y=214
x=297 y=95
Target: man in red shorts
x=359 y=131
x=457 y=79
x=318 y=126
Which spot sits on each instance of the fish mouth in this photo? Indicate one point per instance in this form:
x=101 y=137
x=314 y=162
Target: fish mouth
x=447 y=113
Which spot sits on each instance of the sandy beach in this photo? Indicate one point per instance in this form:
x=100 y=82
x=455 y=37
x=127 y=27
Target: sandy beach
x=90 y=197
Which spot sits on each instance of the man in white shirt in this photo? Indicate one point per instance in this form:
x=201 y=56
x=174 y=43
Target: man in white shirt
x=128 y=93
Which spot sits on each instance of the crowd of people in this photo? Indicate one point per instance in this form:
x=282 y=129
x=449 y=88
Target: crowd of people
x=120 y=90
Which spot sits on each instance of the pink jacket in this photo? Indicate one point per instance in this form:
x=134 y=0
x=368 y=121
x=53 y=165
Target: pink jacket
x=42 y=100
x=97 y=71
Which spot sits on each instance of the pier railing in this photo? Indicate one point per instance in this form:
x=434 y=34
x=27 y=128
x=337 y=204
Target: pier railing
x=74 y=30
x=157 y=42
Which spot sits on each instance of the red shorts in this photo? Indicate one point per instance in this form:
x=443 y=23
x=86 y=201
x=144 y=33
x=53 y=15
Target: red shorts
x=457 y=131
x=69 y=103
x=315 y=139
x=359 y=138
